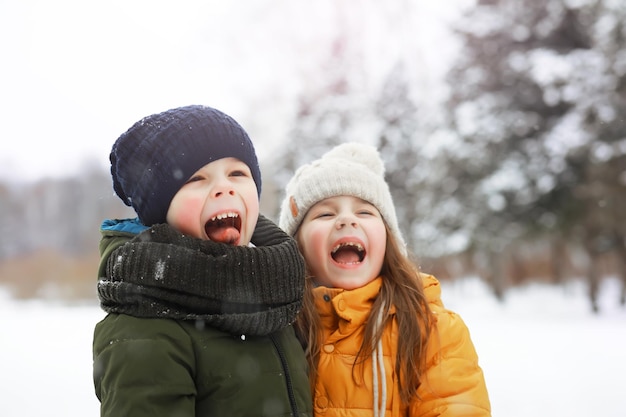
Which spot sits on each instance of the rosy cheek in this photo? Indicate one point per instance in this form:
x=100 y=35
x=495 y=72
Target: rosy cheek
x=316 y=247
x=186 y=217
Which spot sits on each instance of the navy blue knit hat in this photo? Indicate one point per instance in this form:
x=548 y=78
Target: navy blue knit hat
x=153 y=159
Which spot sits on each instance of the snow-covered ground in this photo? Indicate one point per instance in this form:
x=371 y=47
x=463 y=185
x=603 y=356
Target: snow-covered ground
x=543 y=352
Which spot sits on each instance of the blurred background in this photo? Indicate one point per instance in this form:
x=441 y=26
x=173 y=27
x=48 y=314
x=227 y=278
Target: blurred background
x=501 y=123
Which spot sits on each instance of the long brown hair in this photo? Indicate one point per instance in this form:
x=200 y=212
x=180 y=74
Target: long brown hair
x=401 y=287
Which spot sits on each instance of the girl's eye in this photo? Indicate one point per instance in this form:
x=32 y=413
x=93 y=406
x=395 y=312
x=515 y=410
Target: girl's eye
x=323 y=214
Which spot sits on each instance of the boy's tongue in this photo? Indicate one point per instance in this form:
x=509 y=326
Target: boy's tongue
x=223 y=232
x=228 y=235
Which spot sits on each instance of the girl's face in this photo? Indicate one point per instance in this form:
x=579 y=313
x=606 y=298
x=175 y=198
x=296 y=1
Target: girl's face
x=219 y=203
x=343 y=241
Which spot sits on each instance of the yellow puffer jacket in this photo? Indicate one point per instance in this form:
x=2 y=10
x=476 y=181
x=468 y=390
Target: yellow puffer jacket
x=453 y=384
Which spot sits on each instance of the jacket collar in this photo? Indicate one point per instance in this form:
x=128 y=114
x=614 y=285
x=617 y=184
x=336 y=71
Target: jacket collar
x=351 y=308
x=346 y=309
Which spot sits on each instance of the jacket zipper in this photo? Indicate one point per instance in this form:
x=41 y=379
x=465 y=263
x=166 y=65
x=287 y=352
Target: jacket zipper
x=283 y=361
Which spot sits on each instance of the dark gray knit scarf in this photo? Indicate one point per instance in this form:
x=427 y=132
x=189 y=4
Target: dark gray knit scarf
x=242 y=290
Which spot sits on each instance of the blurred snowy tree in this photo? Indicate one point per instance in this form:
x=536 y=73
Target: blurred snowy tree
x=61 y=214
x=328 y=113
x=364 y=90
x=399 y=145
x=11 y=244
x=538 y=100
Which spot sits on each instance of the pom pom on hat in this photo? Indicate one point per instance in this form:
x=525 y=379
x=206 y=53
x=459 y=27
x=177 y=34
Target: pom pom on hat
x=351 y=169
x=153 y=159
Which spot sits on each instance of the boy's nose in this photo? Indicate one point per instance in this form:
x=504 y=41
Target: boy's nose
x=223 y=192
x=222 y=188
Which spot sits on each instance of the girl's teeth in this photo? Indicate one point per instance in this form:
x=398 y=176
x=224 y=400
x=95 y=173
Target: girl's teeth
x=356 y=245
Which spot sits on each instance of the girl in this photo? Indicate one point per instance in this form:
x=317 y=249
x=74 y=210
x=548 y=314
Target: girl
x=376 y=334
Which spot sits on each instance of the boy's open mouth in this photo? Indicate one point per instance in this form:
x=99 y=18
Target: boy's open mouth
x=348 y=253
x=224 y=228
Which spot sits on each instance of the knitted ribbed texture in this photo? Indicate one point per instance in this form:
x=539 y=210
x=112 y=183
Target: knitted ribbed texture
x=152 y=160
x=238 y=289
x=350 y=169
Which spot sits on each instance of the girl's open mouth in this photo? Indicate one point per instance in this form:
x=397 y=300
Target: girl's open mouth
x=348 y=253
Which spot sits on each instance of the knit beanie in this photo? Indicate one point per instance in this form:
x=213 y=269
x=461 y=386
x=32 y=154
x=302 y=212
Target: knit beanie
x=153 y=159
x=351 y=169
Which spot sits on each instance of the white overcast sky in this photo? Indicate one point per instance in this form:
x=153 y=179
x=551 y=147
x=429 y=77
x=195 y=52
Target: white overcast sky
x=76 y=74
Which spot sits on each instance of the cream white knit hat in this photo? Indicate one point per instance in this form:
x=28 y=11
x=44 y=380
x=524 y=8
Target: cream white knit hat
x=352 y=169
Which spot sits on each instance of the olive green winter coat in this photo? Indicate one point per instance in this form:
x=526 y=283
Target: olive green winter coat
x=162 y=367
x=156 y=367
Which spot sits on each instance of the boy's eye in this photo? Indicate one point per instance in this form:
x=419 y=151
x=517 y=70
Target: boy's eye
x=238 y=173
x=194 y=179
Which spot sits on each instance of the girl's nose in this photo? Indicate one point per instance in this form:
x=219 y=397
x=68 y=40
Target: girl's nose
x=345 y=220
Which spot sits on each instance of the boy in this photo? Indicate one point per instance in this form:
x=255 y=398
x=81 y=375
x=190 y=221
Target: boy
x=200 y=295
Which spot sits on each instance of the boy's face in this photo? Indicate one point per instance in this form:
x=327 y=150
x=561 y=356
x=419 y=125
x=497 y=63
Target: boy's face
x=343 y=240
x=219 y=203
